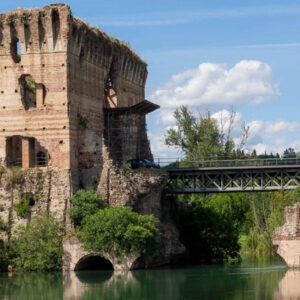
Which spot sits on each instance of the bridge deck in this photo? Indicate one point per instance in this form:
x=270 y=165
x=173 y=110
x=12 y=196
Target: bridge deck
x=234 y=178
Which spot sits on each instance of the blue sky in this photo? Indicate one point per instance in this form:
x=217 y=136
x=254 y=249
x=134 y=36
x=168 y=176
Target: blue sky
x=249 y=50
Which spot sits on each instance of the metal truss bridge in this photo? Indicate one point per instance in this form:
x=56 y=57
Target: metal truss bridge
x=245 y=175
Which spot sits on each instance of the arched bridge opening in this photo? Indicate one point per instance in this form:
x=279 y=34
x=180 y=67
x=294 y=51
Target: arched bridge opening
x=93 y=262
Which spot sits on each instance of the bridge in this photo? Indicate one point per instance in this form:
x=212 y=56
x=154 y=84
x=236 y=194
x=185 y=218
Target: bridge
x=220 y=176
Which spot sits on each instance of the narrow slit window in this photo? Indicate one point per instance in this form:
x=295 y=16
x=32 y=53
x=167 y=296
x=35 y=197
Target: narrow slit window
x=16 y=51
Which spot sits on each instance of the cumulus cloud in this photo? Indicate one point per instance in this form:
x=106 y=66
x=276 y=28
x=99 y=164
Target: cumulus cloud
x=265 y=136
x=276 y=130
x=248 y=81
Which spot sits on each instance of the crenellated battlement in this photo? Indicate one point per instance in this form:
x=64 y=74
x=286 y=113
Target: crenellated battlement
x=37 y=30
x=96 y=47
x=54 y=29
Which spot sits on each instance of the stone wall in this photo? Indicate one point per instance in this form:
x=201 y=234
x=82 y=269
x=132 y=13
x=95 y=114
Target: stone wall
x=43 y=58
x=49 y=189
x=287 y=237
x=57 y=74
x=143 y=190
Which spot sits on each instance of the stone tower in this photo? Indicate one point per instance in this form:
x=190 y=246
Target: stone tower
x=71 y=97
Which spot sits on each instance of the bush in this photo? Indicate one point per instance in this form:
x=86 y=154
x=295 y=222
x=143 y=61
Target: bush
x=38 y=247
x=23 y=208
x=84 y=203
x=119 y=231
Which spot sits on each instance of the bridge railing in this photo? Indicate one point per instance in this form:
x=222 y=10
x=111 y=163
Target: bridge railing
x=174 y=163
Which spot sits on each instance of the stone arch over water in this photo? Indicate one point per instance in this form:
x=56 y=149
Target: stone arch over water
x=93 y=262
x=76 y=258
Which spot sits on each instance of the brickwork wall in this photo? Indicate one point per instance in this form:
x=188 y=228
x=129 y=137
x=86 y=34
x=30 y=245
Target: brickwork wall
x=70 y=64
x=46 y=62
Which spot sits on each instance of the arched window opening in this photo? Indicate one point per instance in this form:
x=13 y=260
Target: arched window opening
x=41 y=159
x=55 y=26
x=28 y=89
x=14 y=151
x=16 y=50
x=93 y=263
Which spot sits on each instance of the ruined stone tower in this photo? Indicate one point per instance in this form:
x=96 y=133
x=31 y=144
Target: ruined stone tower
x=71 y=96
x=72 y=104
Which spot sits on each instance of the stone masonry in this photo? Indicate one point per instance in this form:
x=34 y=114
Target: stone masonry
x=287 y=237
x=72 y=112
x=67 y=90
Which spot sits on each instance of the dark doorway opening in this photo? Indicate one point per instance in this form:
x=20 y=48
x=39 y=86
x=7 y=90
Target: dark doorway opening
x=93 y=263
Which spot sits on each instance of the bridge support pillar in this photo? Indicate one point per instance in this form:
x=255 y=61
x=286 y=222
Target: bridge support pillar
x=287 y=237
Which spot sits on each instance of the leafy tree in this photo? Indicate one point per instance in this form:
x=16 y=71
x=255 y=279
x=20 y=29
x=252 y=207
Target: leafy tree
x=204 y=138
x=198 y=140
x=231 y=205
x=38 y=247
x=208 y=235
x=84 y=203
x=289 y=153
x=119 y=231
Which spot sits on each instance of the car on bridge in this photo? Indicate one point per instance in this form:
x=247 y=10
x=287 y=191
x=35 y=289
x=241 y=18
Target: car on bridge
x=142 y=163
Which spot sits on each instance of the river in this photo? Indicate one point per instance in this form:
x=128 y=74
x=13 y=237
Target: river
x=265 y=278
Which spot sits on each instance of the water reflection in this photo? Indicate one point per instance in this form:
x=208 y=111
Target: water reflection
x=289 y=286
x=31 y=286
x=251 y=280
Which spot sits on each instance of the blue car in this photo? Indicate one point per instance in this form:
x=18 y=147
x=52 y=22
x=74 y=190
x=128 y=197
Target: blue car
x=142 y=163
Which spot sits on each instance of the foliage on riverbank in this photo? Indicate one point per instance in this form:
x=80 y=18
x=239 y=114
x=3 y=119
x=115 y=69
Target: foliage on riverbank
x=84 y=203
x=119 y=231
x=217 y=226
x=38 y=247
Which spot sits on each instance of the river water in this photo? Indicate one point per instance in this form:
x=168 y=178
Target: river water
x=253 y=279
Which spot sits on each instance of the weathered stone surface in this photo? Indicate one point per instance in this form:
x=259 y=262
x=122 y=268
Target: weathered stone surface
x=74 y=254
x=287 y=237
x=73 y=103
x=50 y=190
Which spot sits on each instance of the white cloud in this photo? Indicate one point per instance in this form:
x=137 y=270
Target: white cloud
x=265 y=136
x=248 y=81
x=160 y=149
x=276 y=130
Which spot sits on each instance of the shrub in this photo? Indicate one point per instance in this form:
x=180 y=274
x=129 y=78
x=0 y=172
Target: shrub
x=84 y=203
x=23 y=208
x=38 y=247
x=119 y=231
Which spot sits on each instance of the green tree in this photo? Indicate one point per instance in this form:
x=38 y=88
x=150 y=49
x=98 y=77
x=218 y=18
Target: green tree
x=119 y=231
x=207 y=234
x=84 y=203
x=38 y=247
x=198 y=139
